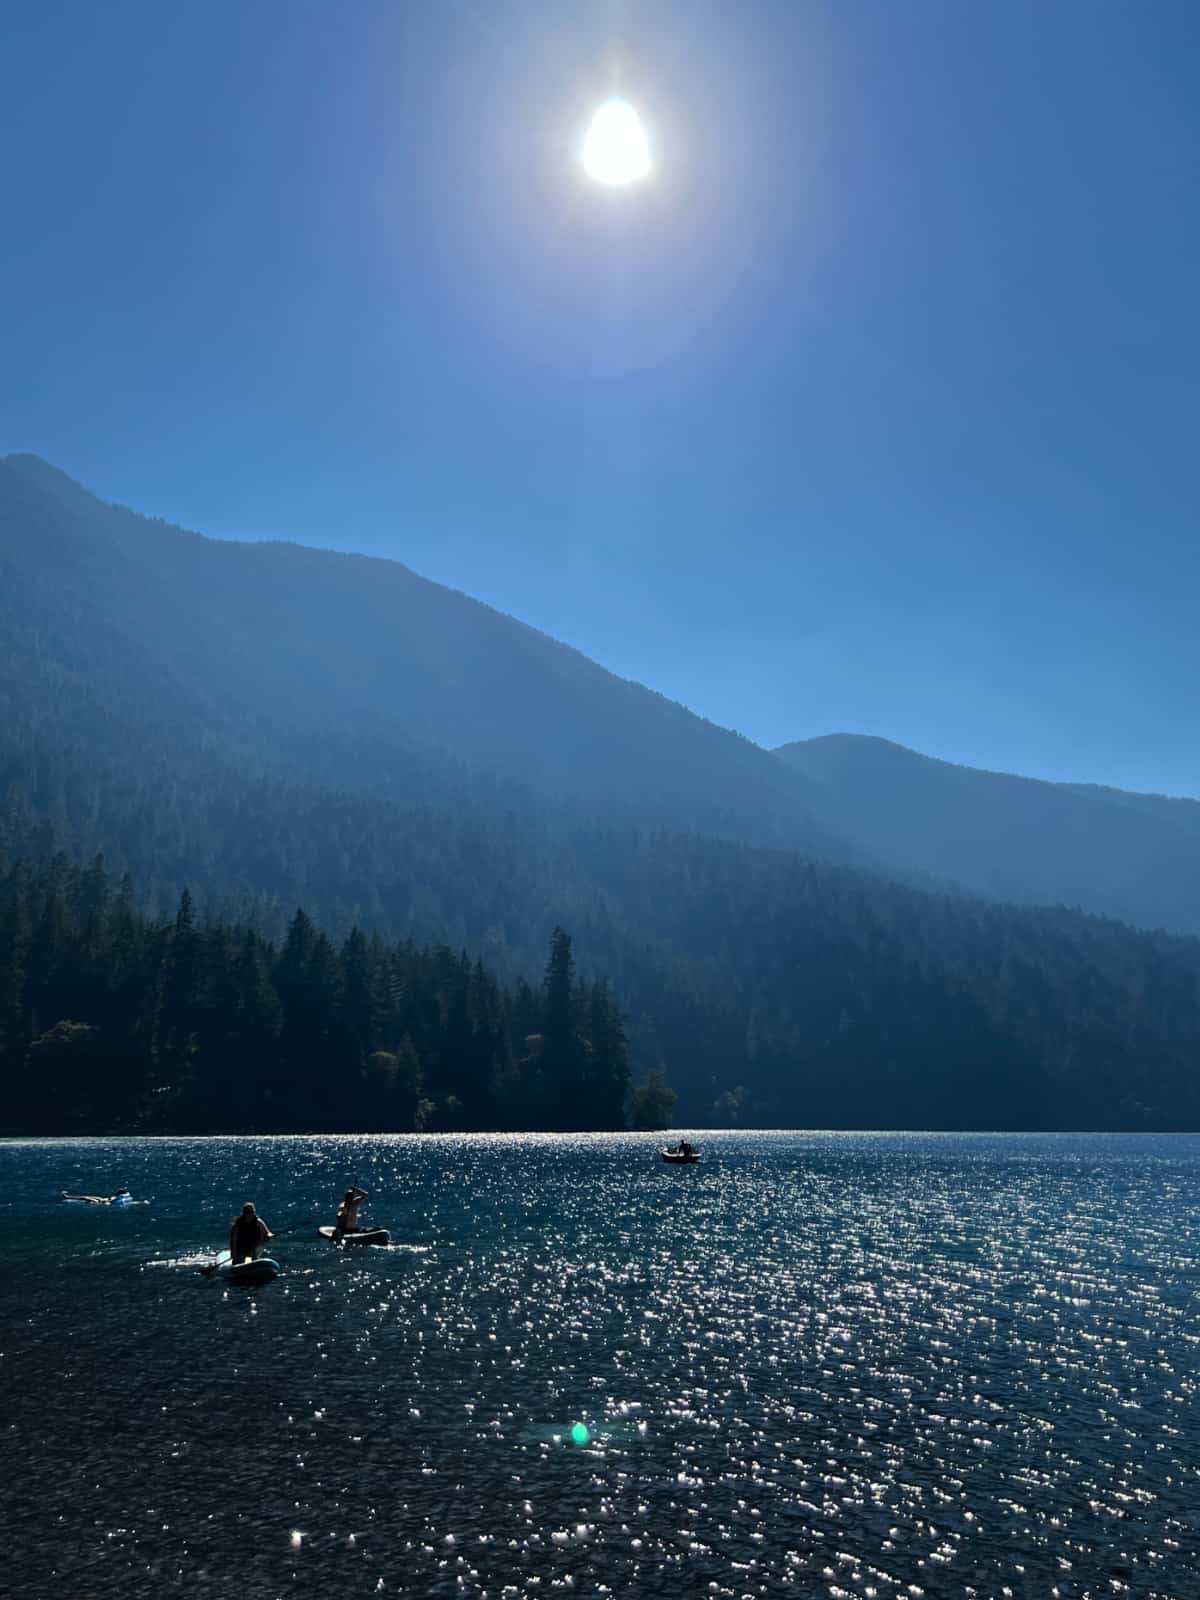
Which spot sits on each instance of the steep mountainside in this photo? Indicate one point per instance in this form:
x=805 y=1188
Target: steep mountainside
x=267 y=651
x=1136 y=857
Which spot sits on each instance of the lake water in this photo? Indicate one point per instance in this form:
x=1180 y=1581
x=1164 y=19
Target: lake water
x=819 y=1364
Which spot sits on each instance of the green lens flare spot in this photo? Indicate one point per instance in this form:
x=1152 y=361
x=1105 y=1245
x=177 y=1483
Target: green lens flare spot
x=580 y=1434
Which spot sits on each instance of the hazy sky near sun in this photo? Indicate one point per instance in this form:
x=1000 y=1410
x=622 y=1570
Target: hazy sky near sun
x=875 y=408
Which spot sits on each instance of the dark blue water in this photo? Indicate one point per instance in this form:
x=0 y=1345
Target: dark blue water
x=833 y=1365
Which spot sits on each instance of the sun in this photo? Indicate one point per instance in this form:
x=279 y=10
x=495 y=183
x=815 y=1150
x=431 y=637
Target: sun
x=616 y=151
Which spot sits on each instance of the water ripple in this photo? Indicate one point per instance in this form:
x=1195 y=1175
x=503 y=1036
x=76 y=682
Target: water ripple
x=841 y=1365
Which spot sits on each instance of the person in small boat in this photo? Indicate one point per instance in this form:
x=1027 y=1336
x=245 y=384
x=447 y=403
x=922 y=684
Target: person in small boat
x=347 y=1213
x=248 y=1234
x=686 y=1149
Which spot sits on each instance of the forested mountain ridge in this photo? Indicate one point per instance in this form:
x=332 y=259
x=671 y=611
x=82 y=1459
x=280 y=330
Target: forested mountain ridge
x=1131 y=856
x=1178 y=811
x=269 y=649
x=263 y=772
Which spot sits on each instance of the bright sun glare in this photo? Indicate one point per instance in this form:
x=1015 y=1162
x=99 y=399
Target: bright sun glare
x=615 y=150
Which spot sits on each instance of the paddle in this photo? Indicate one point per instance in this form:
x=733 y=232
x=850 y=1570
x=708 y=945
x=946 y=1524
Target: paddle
x=295 y=1227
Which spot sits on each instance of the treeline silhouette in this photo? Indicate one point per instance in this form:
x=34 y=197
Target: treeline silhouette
x=111 y=1021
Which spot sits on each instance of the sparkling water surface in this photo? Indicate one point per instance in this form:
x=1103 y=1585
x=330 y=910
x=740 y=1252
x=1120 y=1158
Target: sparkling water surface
x=817 y=1364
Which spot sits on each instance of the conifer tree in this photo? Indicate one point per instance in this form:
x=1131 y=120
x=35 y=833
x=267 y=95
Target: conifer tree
x=607 y=1080
x=181 y=970
x=561 y=1056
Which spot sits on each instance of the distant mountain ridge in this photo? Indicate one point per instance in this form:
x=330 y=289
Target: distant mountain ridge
x=1131 y=856
x=1179 y=811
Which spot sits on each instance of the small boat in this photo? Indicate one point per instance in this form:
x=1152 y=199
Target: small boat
x=357 y=1235
x=121 y=1198
x=259 y=1269
x=680 y=1158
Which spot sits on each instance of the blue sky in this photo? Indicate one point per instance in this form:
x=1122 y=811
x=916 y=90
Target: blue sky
x=874 y=410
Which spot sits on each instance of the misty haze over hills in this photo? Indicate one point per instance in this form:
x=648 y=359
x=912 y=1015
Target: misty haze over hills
x=1132 y=856
x=305 y=640
x=272 y=725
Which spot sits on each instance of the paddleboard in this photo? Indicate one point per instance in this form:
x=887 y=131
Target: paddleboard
x=360 y=1236
x=261 y=1270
